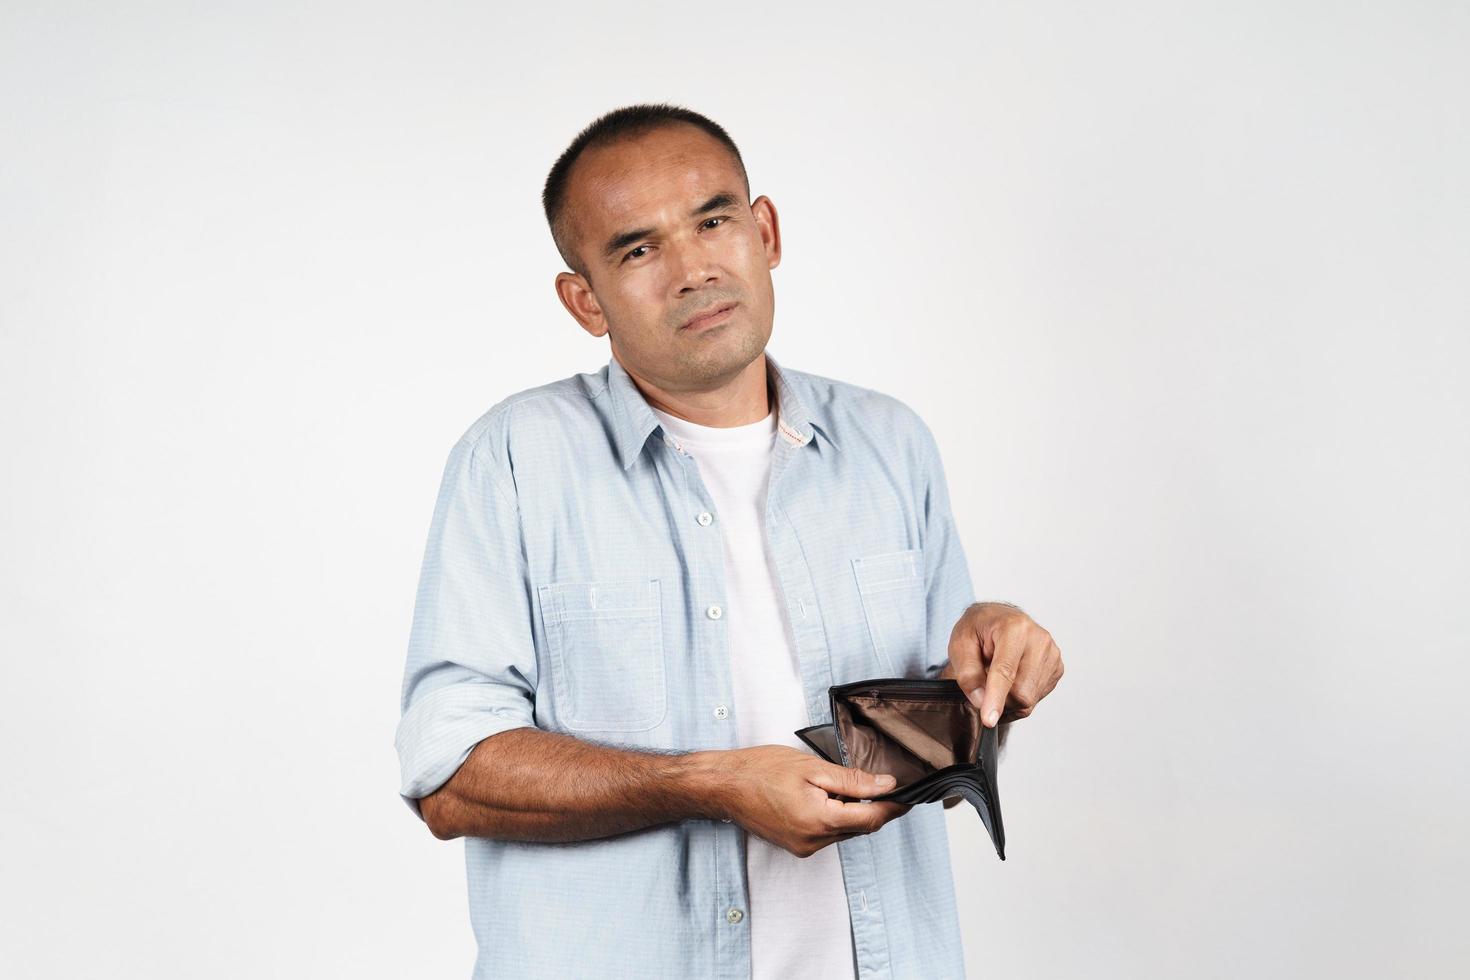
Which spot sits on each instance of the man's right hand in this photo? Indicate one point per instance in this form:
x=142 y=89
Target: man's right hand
x=784 y=795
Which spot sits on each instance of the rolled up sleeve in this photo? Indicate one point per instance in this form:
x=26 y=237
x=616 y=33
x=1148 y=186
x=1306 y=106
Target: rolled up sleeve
x=947 y=573
x=471 y=666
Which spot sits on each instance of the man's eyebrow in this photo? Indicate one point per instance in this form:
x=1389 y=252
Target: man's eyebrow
x=622 y=240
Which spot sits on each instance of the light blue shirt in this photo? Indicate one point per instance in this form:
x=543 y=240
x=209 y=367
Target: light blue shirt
x=574 y=581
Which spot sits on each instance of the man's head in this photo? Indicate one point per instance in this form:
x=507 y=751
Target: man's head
x=649 y=207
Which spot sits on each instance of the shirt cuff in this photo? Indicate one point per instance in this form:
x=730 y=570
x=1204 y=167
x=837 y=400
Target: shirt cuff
x=440 y=730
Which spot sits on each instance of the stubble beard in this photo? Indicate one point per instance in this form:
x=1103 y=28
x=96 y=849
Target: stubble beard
x=721 y=360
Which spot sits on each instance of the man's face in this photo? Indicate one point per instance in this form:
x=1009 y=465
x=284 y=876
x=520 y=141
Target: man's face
x=662 y=228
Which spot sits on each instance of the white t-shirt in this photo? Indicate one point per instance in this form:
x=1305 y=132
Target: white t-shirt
x=799 y=924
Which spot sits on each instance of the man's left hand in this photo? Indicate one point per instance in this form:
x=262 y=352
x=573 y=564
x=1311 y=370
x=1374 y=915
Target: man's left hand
x=1003 y=660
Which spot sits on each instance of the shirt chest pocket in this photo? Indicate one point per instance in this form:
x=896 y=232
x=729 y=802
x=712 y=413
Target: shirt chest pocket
x=605 y=642
x=891 y=587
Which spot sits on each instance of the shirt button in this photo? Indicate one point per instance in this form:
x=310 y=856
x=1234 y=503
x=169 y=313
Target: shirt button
x=734 y=915
x=705 y=518
x=713 y=612
x=721 y=711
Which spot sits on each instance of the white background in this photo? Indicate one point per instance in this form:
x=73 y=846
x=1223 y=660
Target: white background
x=1181 y=288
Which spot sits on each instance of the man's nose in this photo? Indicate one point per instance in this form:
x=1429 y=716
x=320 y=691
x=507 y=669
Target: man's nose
x=693 y=266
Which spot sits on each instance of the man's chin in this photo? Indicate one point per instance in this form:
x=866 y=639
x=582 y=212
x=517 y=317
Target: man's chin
x=724 y=359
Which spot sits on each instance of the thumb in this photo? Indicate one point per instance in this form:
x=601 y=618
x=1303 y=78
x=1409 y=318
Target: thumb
x=852 y=781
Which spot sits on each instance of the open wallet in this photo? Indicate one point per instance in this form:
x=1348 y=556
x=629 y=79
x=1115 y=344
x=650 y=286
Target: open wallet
x=926 y=733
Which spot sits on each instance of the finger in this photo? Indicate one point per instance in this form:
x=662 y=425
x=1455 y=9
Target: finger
x=966 y=664
x=1015 y=714
x=1055 y=668
x=852 y=781
x=1005 y=664
x=1031 y=675
x=974 y=688
x=1034 y=683
x=834 y=838
x=862 y=818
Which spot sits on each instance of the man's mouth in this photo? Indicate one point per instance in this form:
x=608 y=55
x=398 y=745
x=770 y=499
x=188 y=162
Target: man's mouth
x=709 y=317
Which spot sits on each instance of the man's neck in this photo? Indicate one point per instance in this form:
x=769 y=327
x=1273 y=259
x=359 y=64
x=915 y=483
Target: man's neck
x=745 y=399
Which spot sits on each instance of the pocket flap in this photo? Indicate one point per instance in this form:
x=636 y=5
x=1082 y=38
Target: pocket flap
x=562 y=601
x=889 y=570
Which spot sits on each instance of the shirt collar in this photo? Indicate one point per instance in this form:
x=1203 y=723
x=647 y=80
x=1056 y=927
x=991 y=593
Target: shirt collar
x=633 y=420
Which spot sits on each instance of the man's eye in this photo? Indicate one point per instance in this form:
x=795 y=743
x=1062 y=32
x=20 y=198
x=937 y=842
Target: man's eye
x=633 y=254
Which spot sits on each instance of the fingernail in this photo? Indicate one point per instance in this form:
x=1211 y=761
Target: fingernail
x=886 y=781
x=992 y=717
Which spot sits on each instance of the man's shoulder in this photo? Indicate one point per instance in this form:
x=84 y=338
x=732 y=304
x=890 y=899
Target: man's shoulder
x=855 y=408
x=540 y=407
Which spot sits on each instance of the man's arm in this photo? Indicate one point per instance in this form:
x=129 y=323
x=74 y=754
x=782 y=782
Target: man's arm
x=999 y=655
x=471 y=666
x=948 y=589
x=533 y=785
x=1002 y=658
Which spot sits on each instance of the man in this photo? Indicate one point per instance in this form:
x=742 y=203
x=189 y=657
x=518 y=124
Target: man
x=640 y=582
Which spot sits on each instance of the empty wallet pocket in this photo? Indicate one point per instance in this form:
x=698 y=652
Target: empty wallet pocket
x=910 y=735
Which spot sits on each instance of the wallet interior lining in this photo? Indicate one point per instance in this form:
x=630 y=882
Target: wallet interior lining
x=909 y=738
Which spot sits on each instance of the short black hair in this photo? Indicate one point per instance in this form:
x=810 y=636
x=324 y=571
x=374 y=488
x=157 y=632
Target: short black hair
x=628 y=122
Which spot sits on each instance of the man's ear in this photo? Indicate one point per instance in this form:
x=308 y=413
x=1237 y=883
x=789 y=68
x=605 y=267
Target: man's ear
x=769 y=224
x=576 y=295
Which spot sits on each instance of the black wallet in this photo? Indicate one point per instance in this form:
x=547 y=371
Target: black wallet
x=926 y=733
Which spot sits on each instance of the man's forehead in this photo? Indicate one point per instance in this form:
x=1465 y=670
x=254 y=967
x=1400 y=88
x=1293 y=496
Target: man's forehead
x=679 y=168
